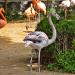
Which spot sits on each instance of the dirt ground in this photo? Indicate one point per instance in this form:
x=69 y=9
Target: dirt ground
x=13 y=54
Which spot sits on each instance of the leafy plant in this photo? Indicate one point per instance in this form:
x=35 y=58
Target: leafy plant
x=60 y=55
x=66 y=61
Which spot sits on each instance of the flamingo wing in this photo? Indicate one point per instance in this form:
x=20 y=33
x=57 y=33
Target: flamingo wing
x=2 y=23
x=36 y=36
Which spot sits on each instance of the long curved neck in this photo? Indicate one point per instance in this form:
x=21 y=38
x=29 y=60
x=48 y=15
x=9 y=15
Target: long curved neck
x=2 y=16
x=53 y=30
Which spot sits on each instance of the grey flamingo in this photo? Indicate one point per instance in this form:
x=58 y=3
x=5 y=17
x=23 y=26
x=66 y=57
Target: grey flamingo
x=38 y=39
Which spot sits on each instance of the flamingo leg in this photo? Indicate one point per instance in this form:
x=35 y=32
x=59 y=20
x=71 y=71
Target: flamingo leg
x=31 y=59
x=39 y=17
x=31 y=62
x=29 y=20
x=28 y=25
x=39 y=59
x=65 y=13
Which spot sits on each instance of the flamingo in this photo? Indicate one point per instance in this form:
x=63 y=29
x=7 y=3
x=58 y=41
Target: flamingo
x=39 y=5
x=28 y=11
x=65 y=4
x=73 y=2
x=38 y=39
x=3 y=20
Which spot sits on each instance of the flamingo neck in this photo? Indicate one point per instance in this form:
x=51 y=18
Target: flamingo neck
x=53 y=30
x=2 y=16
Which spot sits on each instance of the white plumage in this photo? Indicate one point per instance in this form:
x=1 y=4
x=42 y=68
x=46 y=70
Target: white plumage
x=65 y=3
x=73 y=2
x=37 y=38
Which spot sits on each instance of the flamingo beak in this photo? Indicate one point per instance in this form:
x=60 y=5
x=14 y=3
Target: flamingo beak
x=27 y=43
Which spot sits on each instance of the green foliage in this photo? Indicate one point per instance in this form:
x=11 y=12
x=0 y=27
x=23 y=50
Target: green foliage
x=45 y=27
x=51 y=66
x=14 y=17
x=57 y=55
x=66 y=26
x=73 y=44
x=71 y=15
x=12 y=13
x=66 y=61
x=9 y=17
x=66 y=33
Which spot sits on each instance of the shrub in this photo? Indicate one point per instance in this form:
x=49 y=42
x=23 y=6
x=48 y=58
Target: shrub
x=64 y=62
x=57 y=55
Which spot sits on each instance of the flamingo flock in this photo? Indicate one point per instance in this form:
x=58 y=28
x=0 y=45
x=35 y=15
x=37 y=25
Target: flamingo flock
x=29 y=12
x=28 y=9
x=38 y=39
x=32 y=8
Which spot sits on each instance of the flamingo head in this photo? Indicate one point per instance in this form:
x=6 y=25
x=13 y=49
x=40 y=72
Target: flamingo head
x=2 y=10
x=55 y=15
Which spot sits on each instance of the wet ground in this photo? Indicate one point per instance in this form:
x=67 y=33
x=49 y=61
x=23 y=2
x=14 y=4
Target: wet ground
x=13 y=55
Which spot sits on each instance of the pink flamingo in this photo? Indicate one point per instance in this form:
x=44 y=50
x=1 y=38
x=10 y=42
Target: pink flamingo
x=27 y=9
x=30 y=13
x=39 y=5
x=65 y=4
x=3 y=20
x=73 y=2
